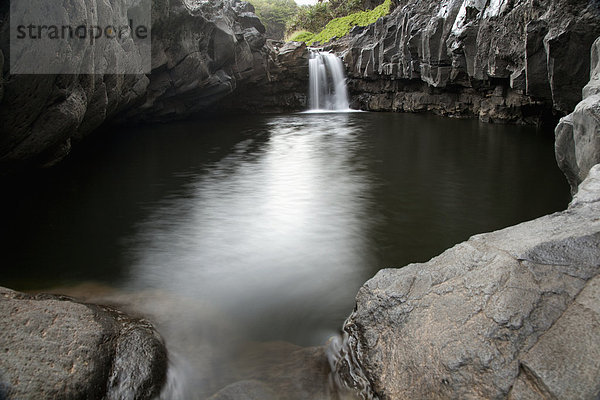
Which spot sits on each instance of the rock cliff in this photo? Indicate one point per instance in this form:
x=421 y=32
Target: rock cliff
x=284 y=86
x=54 y=347
x=201 y=51
x=578 y=134
x=513 y=61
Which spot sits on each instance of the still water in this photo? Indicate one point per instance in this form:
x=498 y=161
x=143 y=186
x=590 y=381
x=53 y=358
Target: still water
x=271 y=223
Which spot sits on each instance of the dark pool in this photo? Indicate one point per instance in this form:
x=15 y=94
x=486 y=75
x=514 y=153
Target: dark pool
x=273 y=222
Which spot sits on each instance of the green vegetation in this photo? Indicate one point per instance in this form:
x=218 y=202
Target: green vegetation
x=314 y=18
x=300 y=36
x=339 y=27
x=330 y=19
x=275 y=14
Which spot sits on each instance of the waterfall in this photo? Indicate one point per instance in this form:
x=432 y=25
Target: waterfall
x=327 y=83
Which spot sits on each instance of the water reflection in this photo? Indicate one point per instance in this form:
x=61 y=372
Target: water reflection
x=277 y=219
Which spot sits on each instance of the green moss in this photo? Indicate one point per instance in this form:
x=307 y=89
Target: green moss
x=340 y=27
x=302 y=36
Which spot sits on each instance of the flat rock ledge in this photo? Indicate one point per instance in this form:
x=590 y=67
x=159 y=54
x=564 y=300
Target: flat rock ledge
x=508 y=314
x=56 y=348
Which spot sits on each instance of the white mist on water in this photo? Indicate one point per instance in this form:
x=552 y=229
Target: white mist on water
x=327 y=83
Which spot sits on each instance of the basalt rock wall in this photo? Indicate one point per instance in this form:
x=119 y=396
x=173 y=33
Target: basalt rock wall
x=500 y=60
x=283 y=88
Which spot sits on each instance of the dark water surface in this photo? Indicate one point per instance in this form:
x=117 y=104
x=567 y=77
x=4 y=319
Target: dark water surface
x=275 y=221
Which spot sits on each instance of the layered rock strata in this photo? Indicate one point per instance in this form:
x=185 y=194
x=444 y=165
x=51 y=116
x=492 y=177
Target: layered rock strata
x=510 y=61
x=54 y=347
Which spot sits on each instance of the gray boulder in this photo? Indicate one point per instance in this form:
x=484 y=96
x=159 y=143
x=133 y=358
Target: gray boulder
x=56 y=348
x=577 y=142
x=511 y=313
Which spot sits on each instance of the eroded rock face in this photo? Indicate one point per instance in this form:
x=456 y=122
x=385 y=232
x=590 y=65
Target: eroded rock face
x=511 y=313
x=53 y=347
x=201 y=51
x=498 y=60
x=284 y=86
x=577 y=142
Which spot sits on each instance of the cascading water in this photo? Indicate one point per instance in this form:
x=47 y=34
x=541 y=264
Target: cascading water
x=327 y=91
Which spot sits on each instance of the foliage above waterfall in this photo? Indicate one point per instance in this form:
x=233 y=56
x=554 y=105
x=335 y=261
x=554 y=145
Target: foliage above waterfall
x=314 y=18
x=275 y=14
x=301 y=36
x=339 y=27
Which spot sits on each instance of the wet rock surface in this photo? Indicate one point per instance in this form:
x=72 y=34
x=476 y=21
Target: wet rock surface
x=511 y=313
x=510 y=61
x=56 y=348
x=578 y=134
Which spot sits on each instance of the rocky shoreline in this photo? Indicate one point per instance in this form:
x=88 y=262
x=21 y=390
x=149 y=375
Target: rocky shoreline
x=201 y=52
x=500 y=61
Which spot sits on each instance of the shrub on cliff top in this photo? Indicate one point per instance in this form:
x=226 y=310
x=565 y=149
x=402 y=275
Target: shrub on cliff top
x=340 y=27
x=314 y=18
x=300 y=36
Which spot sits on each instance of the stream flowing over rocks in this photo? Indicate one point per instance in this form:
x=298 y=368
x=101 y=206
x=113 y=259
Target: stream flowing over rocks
x=508 y=314
x=516 y=61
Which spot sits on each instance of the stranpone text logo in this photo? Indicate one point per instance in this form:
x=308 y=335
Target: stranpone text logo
x=75 y=37
x=91 y=33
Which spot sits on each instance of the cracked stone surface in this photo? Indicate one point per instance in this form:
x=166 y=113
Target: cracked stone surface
x=55 y=348
x=508 y=313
